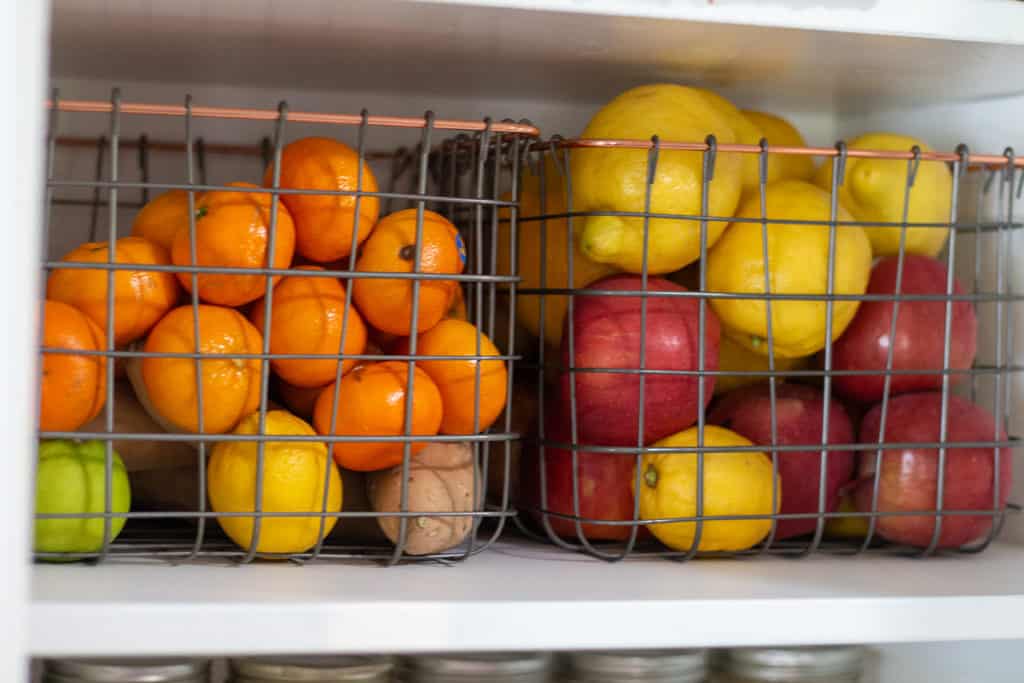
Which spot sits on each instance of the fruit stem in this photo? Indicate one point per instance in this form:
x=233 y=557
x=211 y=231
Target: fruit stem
x=201 y=212
x=756 y=341
x=407 y=253
x=651 y=476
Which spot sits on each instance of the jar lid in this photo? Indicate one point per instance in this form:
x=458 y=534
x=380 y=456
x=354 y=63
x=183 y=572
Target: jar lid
x=481 y=664
x=326 y=668
x=781 y=663
x=128 y=670
x=642 y=663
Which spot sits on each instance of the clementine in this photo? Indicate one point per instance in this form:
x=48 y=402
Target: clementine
x=231 y=386
x=233 y=230
x=299 y=400
x=457 y=378
x=141 y=296
x=371 y=402
x=386 y=303
x=308 y=317
x=325 y=223
x=162 y=217
x=73 y=387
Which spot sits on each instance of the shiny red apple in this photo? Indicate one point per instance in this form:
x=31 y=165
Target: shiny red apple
x=604 y=480
x=909 y=476
x=606 y=335
x=799 y=410
x=918 y=343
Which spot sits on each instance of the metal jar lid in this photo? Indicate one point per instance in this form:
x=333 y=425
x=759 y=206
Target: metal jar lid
x=127 y=670
x=785 y=663
x=480 y=665
x=681 y=665
x=327 y=668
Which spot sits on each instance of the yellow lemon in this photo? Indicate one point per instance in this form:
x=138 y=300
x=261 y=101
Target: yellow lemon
x=293 y=481
x=735 y=483
x=553 y=239
x=797 y=264
x=778 y=131
x=873 y=191
x=733 y=357
x=605 y=179
x=846 y=527
x=747 y=133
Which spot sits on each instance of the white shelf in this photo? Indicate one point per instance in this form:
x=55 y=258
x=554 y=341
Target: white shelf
x=522 y=597
x=989 y=21
x=849 y=54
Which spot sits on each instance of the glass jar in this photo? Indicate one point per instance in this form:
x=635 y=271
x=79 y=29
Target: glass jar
x=818 y=664
x=624 y=666
x=519 y=667
x=335 y=669
x=126 y=671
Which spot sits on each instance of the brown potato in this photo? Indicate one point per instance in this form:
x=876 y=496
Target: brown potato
x=441 y=479
x=130 y=417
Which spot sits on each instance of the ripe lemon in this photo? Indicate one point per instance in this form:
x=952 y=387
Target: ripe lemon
x=734 y=484
x=797 y=264
x=293 y=481
x=780 y=132
x=607 y=179
x=873 y=191
x=847 y=527
x=733 y=357
x=747 y=133
x=555 y=259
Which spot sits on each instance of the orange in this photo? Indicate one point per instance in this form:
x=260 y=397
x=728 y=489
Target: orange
x=324 y=223
x=388 y=341
x=386 y=303
x=232 y=230
x=372 y=403
x=162 y=217
x=141 y=296
x=299 y=400
x=456 y=378
x=231 y=386
x=308 y=316
x=73 y=387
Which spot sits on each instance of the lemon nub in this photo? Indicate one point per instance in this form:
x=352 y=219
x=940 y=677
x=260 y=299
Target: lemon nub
x=651 y=476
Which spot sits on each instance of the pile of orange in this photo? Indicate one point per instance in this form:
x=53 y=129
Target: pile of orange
x=269 y=293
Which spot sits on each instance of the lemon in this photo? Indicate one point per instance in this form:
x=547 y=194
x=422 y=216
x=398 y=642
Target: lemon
x=780 y=132
x=846 y=527
x=293 y=481
x=734 y=357
x=747 y=132
x=555 y=261
x=606 y=179
x=735 y=483
x=797 y=264
x=873 y=191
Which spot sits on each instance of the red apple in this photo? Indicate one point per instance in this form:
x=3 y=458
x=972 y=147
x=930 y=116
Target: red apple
x=605 y=484
x=607 y=331
x=909 y=477
x=798 y=414
x=919 y=332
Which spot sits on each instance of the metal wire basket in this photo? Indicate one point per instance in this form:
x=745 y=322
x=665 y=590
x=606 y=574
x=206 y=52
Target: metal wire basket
x=586 y=493
x=465 y=178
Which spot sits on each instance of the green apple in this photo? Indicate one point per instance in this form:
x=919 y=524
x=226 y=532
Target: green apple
x=71 y=478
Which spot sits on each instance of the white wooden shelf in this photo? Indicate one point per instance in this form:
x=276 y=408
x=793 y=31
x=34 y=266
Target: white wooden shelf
x=521 y=596
x=809 y=54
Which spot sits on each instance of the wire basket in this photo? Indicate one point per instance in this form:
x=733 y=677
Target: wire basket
x=626 y=455
x=466 y=179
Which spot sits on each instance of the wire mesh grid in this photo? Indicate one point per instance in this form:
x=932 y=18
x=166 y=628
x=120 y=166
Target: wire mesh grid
x=466 y=178
x=590 y=474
